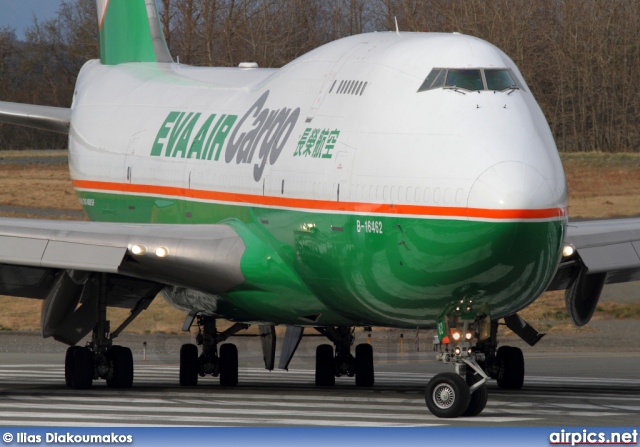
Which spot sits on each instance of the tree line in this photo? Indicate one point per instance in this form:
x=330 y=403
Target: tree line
x=581 y=58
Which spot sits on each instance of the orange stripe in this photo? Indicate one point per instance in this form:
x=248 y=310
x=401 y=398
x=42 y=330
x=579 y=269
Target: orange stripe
x=324 y=205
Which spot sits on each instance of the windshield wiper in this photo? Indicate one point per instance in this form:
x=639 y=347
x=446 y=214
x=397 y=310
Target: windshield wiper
x=455 y=89
x=512 y=88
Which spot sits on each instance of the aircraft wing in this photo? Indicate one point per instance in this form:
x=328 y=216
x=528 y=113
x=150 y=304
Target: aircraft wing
x=610 y=247
x=204 y=257
x=56 y=260
x=606 y=252
x=55 y=119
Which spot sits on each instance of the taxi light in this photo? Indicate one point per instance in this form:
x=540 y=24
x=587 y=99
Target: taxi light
x=162 y=252
x=138 y=250
x=456 y=336
x=457 y=351
x=469 y=351
x=568 y=250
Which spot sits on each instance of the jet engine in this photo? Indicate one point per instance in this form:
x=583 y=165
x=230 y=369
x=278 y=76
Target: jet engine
x=582 y=295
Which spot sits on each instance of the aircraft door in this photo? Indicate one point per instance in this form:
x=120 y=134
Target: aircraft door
x=340 y=183
x=130 y=207
x=342 y=168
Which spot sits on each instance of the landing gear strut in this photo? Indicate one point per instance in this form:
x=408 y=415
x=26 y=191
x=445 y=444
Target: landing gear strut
x=464 y=393
x=100 y=358
x=223 y=364
x=330 y=366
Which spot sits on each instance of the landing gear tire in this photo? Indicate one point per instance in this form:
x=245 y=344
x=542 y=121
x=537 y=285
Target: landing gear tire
x=228 y=365
x=188 y=365
x=511 y=368
x=325 y=372
x=447 y=395
x=478 y=398
x=121 y=360
x=81 y=373
x=69 y=362
x=364 y=365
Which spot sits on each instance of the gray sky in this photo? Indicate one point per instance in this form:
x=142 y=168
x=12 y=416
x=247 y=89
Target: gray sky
x=18 y=14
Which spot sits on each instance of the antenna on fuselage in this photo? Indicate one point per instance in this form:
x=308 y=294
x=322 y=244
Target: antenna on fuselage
x=397 y=29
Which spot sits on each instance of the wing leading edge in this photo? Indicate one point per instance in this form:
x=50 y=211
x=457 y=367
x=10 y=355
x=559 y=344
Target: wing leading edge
x=201 y=257
x=55 y=119
x=63 y=263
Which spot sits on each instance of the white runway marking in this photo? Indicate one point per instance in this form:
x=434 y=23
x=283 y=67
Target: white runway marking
x=36 y=395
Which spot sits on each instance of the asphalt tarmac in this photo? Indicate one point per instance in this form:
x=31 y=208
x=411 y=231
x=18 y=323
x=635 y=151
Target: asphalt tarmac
x=570 y=388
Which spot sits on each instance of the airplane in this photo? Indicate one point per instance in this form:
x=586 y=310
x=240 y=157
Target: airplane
x=389 y=179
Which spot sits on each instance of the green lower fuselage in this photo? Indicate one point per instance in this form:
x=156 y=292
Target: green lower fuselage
x=338 y=269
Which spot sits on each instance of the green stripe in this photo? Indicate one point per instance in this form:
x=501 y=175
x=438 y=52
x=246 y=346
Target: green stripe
x=300 y=263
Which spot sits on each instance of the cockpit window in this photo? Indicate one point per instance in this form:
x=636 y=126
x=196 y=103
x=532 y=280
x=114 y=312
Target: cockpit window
x=466 y=79
x=434 y=80
x=471 y=79
x=499 y=79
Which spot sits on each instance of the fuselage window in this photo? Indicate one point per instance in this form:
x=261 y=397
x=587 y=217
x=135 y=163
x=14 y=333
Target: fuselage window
x=499 y=79
x=434 y=80
x=466 y=79
x=472 y=79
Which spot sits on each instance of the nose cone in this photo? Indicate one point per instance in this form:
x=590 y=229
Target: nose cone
x=513 y=190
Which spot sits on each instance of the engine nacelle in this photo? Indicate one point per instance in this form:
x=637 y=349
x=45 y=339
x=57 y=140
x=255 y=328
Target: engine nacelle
x=62 y=316
x=582 y=295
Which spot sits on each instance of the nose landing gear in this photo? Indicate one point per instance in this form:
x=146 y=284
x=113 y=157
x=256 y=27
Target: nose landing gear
x=463 y=392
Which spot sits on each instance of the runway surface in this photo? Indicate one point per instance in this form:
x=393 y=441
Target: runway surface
x=34 y=394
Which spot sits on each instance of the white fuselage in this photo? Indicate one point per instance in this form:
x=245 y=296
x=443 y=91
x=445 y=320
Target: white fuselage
x=395 y=145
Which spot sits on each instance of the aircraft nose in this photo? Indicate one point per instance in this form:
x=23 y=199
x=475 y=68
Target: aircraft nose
x=512 y=190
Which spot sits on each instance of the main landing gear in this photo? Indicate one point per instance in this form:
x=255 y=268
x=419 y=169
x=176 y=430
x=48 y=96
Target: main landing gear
x=222 y=363
x=100 y=358
x=464 y=392
x=330 y=365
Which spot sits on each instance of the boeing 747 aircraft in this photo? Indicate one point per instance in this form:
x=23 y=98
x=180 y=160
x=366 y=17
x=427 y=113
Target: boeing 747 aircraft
x=405 y=180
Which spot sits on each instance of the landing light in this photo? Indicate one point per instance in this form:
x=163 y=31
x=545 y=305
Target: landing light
x=162 y=252
x=568 y=250
x=468 y=335
x=138 y=250
x=456 y=336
